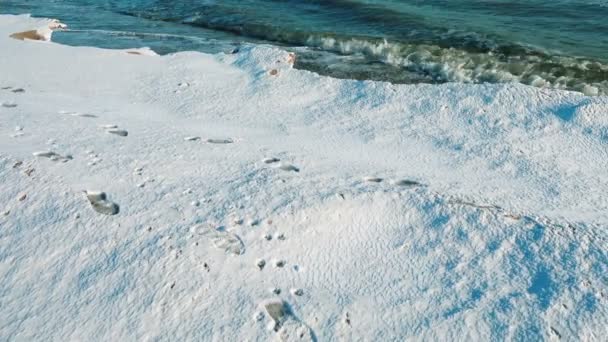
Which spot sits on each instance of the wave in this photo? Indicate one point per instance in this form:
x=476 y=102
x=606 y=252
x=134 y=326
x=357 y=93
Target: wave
x=439 y=65
x=423 y=53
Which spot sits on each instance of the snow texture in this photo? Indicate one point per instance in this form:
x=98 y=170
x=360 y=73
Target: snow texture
x=424 y=212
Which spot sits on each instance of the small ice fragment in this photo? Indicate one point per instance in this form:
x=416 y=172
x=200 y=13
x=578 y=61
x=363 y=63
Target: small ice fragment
x=220 y=141
x=45 y=154
x=119 y=132
x=405 y=182
x=84 y=115
x=109 y=126
x=288 y=167
x=590 y=90
x=270 y=160
x=100 y=203
x=95 y=196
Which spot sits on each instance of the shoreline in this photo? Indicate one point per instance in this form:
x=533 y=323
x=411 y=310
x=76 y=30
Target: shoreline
x=380 y=211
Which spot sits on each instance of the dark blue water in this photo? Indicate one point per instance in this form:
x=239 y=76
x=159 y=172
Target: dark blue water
x=557 y=44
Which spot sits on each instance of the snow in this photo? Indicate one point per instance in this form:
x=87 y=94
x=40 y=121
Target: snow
x=380 y=211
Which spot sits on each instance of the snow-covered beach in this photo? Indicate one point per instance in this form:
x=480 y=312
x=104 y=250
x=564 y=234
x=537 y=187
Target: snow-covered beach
x=257 y=201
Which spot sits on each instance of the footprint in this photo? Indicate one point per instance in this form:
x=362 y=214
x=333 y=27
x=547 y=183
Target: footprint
x=192 y=138
x=6 y=88
x=297 y=292
x=84 y=115
x=294 y=330
x=220 y=141
x=229 y=242
x=110 y=126
x=288 y=167
x=372 y=179
x=94 y=158
x=270 y=160
x=288 y=327
x=406 y=182
x=52 y=156
x=100 y=203
x=9 y=104
x=277 y=311
x=18 y=90
x=119 y=132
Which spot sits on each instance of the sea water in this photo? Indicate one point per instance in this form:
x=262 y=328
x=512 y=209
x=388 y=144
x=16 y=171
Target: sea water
x=556 y=44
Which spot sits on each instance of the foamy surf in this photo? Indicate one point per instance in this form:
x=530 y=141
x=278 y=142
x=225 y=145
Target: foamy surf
x=546 y=45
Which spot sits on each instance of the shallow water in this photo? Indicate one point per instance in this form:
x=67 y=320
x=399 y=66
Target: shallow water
x=558 y=44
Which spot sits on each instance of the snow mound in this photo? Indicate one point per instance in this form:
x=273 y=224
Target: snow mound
x=372 y=211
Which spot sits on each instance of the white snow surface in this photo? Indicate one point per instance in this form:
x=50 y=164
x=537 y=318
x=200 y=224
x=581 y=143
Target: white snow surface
x=397 y=212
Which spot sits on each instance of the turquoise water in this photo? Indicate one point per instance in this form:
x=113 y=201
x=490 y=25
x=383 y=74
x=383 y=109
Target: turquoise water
x=558 y=44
